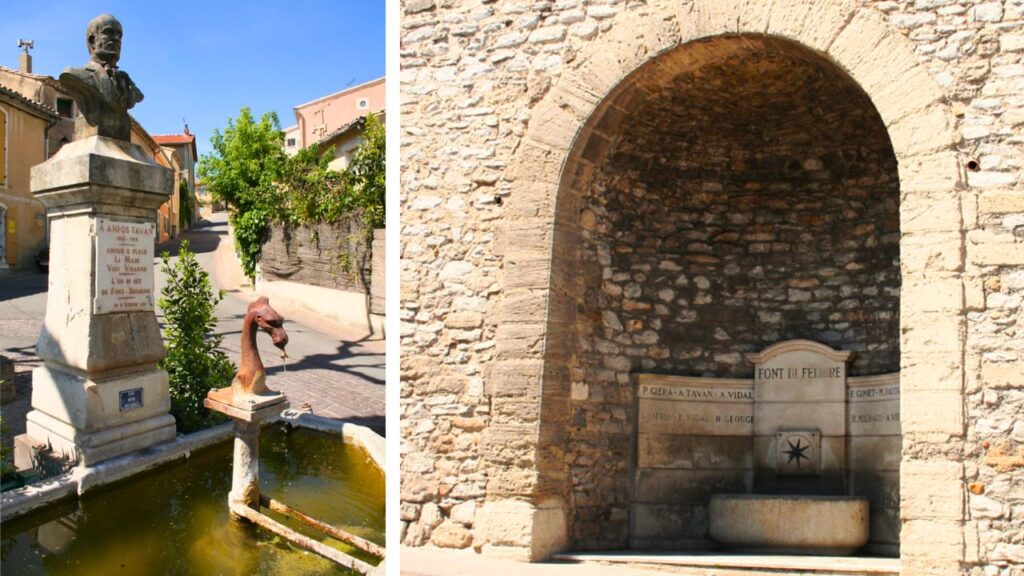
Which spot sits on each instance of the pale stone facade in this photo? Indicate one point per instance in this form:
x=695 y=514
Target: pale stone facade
x=523 y=122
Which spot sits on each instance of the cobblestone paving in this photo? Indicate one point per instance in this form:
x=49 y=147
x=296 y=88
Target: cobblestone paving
x=337 y=374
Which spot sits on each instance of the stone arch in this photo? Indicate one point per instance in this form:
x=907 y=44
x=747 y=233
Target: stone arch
x=570 y=130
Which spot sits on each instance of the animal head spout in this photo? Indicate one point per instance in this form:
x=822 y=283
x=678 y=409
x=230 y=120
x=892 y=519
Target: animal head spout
x=269 y=320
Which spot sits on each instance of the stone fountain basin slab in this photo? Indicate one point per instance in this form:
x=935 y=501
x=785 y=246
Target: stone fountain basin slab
x=826 y=525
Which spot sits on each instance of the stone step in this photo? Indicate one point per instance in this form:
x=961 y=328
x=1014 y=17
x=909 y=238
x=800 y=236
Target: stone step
x=740 y=564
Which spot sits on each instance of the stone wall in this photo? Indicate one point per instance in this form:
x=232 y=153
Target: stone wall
x=505 y=105
x=333 y=255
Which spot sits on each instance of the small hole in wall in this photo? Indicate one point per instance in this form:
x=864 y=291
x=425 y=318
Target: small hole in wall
x=497 y=200
x=972 y=165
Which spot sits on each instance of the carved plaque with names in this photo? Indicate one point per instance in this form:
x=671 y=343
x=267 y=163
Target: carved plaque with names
x=124 y=266
x=683 y=405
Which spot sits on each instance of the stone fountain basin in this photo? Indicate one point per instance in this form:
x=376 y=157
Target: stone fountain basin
x=790 y=524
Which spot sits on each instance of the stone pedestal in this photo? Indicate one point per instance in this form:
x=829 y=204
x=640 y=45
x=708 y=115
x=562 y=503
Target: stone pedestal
x=248 y=415
x=99 y=393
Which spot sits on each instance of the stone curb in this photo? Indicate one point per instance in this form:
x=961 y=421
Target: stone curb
x=361 y=436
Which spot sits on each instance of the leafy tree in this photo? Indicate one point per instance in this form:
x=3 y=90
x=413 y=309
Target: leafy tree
x=194 y=362
x=366 y=173
x=246 y=162
x=186 y=205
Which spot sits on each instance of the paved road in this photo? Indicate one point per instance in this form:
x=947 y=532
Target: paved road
x=340 y=374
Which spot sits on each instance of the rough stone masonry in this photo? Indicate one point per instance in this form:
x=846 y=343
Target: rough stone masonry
x=590 y=189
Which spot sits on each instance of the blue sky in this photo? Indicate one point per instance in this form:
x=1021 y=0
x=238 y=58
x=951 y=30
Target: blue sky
x=203 y=61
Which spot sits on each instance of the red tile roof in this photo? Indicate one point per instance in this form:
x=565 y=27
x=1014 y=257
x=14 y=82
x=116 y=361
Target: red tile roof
x=165 y=139
x=174 y=138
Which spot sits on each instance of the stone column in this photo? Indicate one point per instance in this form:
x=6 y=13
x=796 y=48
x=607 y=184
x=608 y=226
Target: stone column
x=99 y=393
x=245 y=474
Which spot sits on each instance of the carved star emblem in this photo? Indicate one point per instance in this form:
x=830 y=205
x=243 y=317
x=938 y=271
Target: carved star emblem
x=797 y=452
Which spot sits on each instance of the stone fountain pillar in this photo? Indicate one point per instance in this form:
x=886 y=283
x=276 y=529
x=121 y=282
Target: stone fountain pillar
x=248 y=416
x=99 y=393
x=249 y=404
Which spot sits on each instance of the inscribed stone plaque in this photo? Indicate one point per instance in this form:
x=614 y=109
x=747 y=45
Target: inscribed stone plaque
x=874 y=408
x=123 y=266
x=685 y=405
x=800 y=371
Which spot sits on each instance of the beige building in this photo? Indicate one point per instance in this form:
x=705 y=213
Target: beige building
x=23 y=143
x=44 y=90
x=167 y=222
x=185 y=147
x=602 y=193
x=336 y=120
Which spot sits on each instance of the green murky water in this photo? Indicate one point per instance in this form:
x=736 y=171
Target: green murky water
x=174 y=520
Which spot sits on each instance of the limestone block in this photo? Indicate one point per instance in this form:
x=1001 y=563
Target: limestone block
x=928 y=252
x=514 y=411
x=930 y=411
x=987 y=248
x=518 y=378
x=930 y=212
x=814 y=23
x=820 y=525
x=915 y=92
x=90 y=448
x=872 y=54
x=697 y=452
x=527 y=270
x=731 y=16
x=451 y=535
x=519 y=341
x=669 y=521
x=931 y=371
x=929 y=172
x=930 y=332
x=875 y=453
x=931 y=547
x=828 y=417
x=933 y=294
x=1002 y=376
x=101 y=174
x=523 y=306
x=931 y=489
x=537 y=530
x=664 y=486
x=1001 y=202
x=91 y=404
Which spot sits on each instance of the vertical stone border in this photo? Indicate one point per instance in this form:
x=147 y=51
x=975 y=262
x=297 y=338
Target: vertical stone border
x=572 y=127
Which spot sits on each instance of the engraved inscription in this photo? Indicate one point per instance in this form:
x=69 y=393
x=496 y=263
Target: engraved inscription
x=124 y=266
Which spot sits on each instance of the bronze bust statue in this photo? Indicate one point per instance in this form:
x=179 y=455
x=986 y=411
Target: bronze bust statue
x=104 y=93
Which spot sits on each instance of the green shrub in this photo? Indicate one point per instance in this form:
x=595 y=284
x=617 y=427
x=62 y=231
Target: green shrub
x=6 y=461
x=194 y=362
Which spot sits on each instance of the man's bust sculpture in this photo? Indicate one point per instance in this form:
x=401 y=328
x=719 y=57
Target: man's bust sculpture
x=103 y=93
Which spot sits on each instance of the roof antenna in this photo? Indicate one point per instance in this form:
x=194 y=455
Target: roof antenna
x=185 y=122
x=25 y=59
